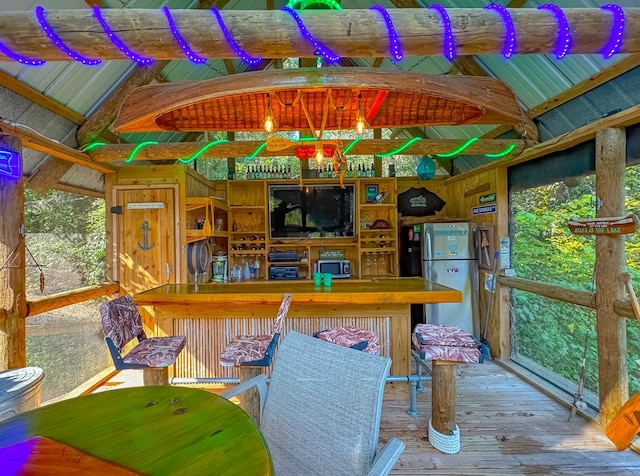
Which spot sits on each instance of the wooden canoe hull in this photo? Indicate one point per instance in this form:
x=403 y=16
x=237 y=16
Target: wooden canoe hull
x=322 y=99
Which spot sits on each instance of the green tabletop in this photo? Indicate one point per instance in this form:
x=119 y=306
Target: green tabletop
x=151 y=430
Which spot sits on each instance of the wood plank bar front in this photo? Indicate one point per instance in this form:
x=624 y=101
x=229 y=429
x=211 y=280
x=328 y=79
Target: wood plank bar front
x=211 y=314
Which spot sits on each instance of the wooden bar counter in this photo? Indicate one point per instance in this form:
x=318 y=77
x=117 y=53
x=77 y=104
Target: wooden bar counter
x=211 y=314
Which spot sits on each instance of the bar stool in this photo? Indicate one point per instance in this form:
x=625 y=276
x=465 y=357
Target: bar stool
x=352 y=336
x=446 y=347
x=252 y=353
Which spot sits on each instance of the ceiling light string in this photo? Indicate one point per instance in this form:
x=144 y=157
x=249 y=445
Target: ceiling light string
x=564 y=41
x=9 y=53
x=202 y=150
x=510 y=31
x=117 y=42
x=449 y=42
x=44 y=24
x=319 y=48
x=394 y=41
x=617 y=30
x=184 y=46
x=242 y=54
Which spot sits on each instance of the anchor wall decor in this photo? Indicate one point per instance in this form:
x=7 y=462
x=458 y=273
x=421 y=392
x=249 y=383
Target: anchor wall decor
x=145 y=229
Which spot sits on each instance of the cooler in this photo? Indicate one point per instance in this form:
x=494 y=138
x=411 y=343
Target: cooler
x=19 y=390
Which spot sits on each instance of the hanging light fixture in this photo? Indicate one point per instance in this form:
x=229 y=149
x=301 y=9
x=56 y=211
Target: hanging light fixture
x=361 y=123
x=269 y=123
x=319 y=153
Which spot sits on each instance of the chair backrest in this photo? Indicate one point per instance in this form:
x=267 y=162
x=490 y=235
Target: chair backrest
x=282 y=313
x=322 y=412
x=121 y=321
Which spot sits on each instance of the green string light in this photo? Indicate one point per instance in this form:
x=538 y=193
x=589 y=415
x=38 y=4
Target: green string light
x=257 y=151
x=457 y=151
x=302 y=4
x=138 y=147
x=93 y=145
x=401 y=148
x=202 y=150
x=346 y=150
x=506 y=151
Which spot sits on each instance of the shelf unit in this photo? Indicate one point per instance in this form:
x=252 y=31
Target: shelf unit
x=373 y=252
x=214 y=216
x=378 y=255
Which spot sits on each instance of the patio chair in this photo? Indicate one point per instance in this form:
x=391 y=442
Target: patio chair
x=121 y=323
x=321 y=410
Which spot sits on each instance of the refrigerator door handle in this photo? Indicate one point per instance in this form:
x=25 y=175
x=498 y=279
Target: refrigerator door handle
x=428 y=245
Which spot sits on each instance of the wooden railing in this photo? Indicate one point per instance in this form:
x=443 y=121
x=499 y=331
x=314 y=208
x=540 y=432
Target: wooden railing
x=56 y=301
x=572 y=296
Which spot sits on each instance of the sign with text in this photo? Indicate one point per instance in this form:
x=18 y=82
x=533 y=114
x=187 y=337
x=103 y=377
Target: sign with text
x=483 y=209
x=489 y=198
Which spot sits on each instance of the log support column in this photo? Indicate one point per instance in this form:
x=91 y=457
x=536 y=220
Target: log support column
x=610 y=263
x=13 y=303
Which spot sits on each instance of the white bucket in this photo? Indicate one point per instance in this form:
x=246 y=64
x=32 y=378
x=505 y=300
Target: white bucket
x=19 y=390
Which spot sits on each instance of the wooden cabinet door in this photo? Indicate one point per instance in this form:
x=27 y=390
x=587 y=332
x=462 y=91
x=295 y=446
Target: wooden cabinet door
x=146 y=242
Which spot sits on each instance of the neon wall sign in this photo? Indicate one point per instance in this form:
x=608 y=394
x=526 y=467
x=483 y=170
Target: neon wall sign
x=9 y=163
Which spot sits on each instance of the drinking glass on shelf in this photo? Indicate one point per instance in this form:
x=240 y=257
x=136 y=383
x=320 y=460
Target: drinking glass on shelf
x=382 y=264
x=368 y=265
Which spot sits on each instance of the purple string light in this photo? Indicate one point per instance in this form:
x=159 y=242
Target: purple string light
x=186 y=49
x=510 y=30
x=250 y=60
x=44 y=24
x=319 y=48
x=394 y=47
x=449 y=41
x=5 y=50
x=563 y=44
x=117 y=42
x=615 y=39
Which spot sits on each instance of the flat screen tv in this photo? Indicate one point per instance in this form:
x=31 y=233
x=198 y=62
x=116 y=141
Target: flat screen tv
x=315 y=211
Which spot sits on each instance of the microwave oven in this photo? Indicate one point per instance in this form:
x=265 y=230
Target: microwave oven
x=339 y=268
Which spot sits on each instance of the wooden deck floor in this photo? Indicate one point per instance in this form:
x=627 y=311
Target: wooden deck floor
x=507 y=427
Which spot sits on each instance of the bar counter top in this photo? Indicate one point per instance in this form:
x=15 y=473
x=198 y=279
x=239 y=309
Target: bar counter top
x=351 y=291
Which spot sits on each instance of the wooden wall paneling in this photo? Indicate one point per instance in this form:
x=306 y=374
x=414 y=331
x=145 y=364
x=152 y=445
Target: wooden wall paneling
x=610 y=263
x=13 y=353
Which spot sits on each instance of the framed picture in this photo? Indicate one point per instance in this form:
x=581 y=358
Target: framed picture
x=372 y=193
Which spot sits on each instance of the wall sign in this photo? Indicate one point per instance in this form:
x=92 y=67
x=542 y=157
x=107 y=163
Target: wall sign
x=483 y=209
x=9 y=163
x=144 y=205
x=489 y=198
x=622 y=225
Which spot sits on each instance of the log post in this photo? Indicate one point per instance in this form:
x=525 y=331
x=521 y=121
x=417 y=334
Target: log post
x=155 y=376
x=13 y=301
x=250 y=400
x=610 y=261
x=443 y=396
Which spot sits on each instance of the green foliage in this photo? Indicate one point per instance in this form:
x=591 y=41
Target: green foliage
x=78 y=224
x=548 y=331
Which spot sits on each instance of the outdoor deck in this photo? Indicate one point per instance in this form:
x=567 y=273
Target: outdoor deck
x=507 y=426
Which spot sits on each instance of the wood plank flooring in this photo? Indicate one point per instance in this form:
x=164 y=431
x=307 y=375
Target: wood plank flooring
x=507 y=427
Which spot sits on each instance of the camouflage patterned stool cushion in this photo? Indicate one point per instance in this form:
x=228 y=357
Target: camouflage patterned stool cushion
x=352 y=336
x=437 y=342
x=156 y=351
x=256 y=351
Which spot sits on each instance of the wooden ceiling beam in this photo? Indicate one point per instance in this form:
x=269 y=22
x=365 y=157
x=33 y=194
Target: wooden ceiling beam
x=273 y=34
x=36 y=97
x=175 y=150
x=35 y=141
x=625 y=118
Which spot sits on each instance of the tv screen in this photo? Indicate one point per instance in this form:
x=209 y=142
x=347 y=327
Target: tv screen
x=315 y=211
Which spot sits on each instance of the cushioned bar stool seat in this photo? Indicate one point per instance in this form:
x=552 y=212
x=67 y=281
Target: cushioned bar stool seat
x=251 y=353
x=352 y=336
x=446 y=347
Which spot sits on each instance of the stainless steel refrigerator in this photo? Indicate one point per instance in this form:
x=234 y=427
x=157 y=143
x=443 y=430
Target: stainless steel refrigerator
x=449 y=258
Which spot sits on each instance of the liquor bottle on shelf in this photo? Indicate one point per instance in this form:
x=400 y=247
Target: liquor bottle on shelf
x=289 y=172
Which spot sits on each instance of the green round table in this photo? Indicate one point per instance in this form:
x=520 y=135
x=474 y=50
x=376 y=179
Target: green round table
x=151 y=430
